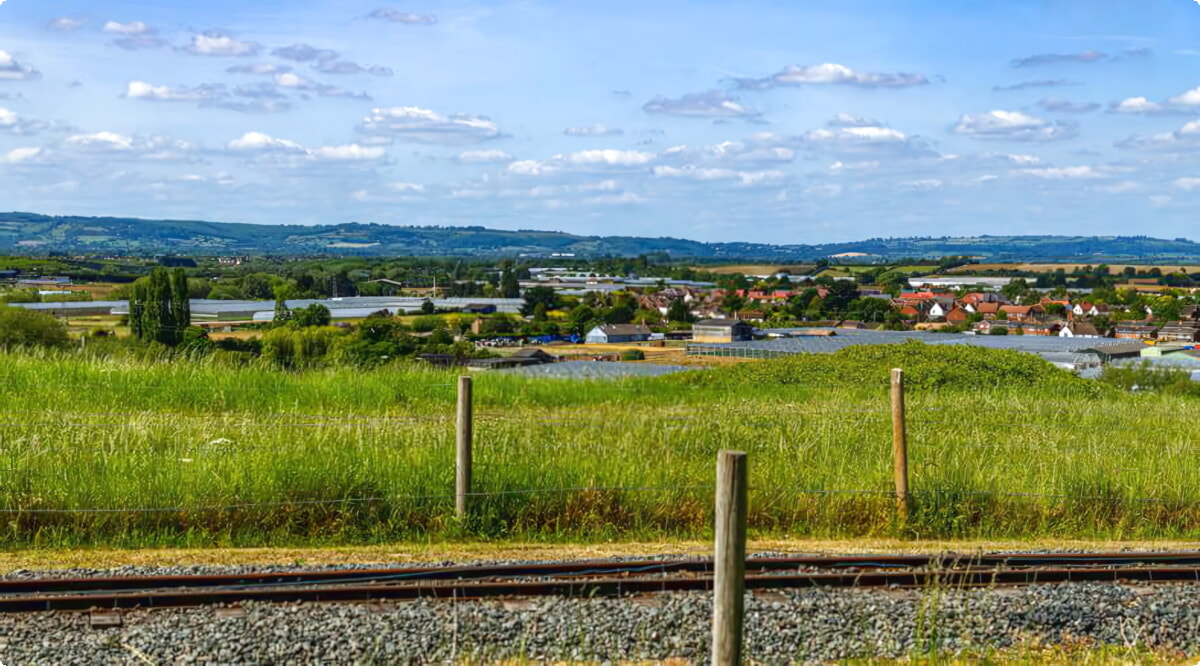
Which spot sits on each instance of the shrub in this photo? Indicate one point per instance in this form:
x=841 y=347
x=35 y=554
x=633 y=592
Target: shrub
x=633 y=355
x=28 y=328
x=925 y=366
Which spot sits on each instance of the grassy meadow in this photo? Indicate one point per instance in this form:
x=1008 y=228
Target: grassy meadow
x=98 y=451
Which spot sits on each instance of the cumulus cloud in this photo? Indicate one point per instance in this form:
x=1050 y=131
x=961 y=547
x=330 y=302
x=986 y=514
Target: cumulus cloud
x=711 y=104
x=397 y=16
x=1059 y=58
x=1057 y=105
x=833 y=74
x=731 y=153
x=854 y=140
x=584 y=161
x=219 y=44
x=1043 y=83
x=260 y=143
x=304 y=53
x=12 y=123
x=1012 y=126
x=1190 y=98
x=1187 y=183
x=406 y=188
x=1186 y=138
x=622 y=199
x=848 y=120
x=263 y=68
x=483 y=157
x=18 y=155
x=292 y=81
x=147 y=91
x=66 y=24
x=424 y=126
x=1065 y=173
x=131 y=28
x=153 y=147
x=592 y=130
x=139 y=43
x=257 y=141
x=12 y=70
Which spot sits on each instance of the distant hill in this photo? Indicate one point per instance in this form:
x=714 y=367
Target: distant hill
x=29 y=233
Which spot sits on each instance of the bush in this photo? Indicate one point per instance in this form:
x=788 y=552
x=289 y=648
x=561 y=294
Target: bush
x=633 y=355
x=28 y=328
x=925 y=367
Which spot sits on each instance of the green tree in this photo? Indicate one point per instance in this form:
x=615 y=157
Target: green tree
x=158 y=308
x=427 y=307
x=678 y=311
x=510 y=287
x=313 y=315
x=535 y=296
x=28 y=328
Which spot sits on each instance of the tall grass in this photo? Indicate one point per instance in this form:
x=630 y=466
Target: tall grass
x=97 y=451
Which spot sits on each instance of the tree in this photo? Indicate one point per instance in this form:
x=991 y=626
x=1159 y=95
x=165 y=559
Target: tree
x=678 y=311
x=158 y=308
x=313 y=315
x=283 y=314
x=510 y=287
x=20 y=327
x=257 y=286
x=1016 y=290
x=619 y=315
x=427 y=307
x=543 y=296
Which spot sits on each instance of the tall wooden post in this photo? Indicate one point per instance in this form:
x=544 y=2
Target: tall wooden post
x=729 y=559
x=900 y=445
x=462 y=459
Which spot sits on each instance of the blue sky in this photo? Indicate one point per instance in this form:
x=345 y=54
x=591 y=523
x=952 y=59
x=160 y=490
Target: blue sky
x=784 y=122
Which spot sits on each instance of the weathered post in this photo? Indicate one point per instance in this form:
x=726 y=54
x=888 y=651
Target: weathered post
x=462 y=459
x=899 y=445
x=729 y=559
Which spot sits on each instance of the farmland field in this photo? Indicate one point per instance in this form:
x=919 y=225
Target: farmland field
x=758 y=269
x=128 y=453
x=1050 y=268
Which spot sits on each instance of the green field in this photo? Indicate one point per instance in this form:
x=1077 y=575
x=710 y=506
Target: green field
x=96 y=451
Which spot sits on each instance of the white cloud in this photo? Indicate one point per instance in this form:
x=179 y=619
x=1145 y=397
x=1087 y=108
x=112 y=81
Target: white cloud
x=711 y=104
x=351 y=152
x=260 y=141
x=104 y=140
x=1136 y=105
x=1160 y=200
x=406 y=188
x=147 y=91
x=747 y=178
x=592 y=130
x=397 y=16
x=425 y=126
x=12 y=70
x=853 y=140
x=732 y=153
x=1187 y=183
x=12 y=123
x=304 y=53
x=19 y=155
x=531 y=168
x=1013 y=126
x=922 y=185
x=1189 y=98
x=1186 y=138
x=847 y=120
x=840 y=166
x=1064 y=173
x=833 y=74
x=614 y=199
x=220 y=45
x=259 y=68
x=132 y=28
x=607 y=157
x=484 y=157
x=66 y=24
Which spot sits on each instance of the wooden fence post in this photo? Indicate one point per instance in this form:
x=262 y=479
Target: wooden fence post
x=729 y=559
x=462 y=459
x=900 y=445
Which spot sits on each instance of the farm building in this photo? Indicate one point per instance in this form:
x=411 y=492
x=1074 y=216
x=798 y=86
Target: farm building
x=615 y=333
x=1180 y=331
x=722 y=330
x=521 y=359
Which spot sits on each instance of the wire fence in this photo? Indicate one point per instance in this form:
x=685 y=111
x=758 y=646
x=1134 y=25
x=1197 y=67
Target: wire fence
x=789 y=422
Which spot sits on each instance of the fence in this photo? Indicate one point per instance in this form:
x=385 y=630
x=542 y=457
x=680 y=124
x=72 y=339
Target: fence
x=24 y=439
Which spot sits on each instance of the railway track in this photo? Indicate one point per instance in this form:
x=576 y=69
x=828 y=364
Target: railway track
x=589 y=579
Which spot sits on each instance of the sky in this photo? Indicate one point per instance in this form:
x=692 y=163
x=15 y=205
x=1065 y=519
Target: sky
x=760 y=121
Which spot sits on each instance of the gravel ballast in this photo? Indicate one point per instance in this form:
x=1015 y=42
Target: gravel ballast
x=781 y=627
